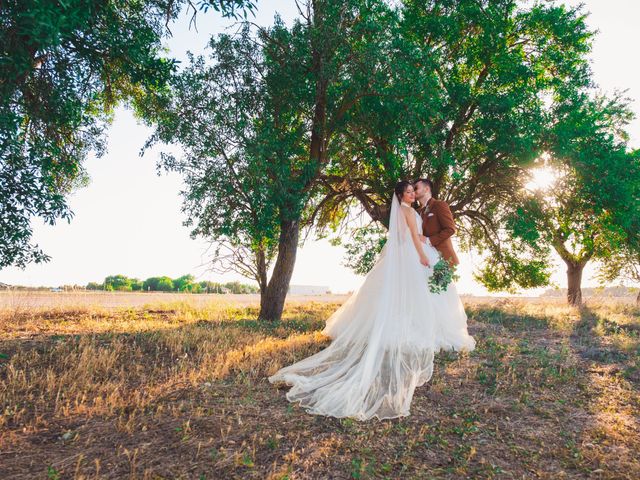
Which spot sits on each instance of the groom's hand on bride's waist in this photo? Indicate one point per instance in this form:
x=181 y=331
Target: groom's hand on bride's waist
x=425 y=240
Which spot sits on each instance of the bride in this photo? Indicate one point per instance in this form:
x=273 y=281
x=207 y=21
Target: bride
x=385 y=335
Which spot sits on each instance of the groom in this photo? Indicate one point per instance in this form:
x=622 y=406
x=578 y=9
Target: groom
x=437 y=221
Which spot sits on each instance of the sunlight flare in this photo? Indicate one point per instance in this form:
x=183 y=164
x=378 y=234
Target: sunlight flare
x=543 y=177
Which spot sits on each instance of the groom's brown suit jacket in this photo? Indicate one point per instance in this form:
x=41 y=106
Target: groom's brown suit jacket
x=438 y=226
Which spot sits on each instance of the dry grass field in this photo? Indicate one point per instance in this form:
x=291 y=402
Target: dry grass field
x=178 y=390
x=30 y=300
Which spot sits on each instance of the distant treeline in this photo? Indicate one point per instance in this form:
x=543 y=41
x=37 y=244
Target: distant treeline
x=185 y=283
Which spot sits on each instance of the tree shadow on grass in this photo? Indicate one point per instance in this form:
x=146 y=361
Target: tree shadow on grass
x=510 y=410
x=558 y=379
x=511 y=320
x=591 y=340
x=61 y=419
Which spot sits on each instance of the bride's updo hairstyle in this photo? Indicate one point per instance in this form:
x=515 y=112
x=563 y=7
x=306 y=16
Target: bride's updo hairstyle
x=401 y=186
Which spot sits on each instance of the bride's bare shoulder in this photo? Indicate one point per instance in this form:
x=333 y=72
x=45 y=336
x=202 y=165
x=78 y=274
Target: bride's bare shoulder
x=408 y=212
x=406 y=209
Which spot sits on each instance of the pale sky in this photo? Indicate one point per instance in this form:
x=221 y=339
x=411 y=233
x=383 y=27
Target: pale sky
x=128 y=220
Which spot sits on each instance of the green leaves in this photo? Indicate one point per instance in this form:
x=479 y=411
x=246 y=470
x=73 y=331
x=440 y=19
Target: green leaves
x=443 y=274
x=53 y=103
x=508 y=271
x=234 y=163
x=63 y=68
x=363 y=247
x=478 y=92
x=260 y=122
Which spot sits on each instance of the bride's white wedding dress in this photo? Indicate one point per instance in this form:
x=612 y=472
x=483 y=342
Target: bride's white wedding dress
x=383 y=337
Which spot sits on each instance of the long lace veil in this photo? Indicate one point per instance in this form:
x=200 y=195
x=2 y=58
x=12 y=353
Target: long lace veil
x=398 y=232
x=383 y=340
x=383 y=337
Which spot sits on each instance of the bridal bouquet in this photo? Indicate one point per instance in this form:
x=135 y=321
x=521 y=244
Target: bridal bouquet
x=443 y=274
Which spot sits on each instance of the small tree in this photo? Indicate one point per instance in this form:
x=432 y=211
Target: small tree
x=240 y=288
x=185 y=283
x=118 y=282
x=210 y=287
x=95 y=286
x=158 y=284
x=165 y=284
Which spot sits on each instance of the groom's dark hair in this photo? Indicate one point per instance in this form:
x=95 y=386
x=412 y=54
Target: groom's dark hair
x=426 y=181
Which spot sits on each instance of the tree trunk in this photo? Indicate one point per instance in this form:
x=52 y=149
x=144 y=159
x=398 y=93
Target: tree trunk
x=574 y=283
x=262 y=275
x=575 y=266
x=638 y=299
x=272 y=300
x=261 y=270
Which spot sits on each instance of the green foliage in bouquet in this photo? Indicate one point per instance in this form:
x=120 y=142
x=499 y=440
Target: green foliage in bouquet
x=443 y=274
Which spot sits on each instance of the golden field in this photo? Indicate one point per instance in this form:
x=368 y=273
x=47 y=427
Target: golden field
x=160 y=387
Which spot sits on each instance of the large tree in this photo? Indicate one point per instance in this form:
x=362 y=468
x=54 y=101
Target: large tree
x=214 y=112
x=474 y=90
x=64 y=65
x=255 y=124
x=590 y=211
